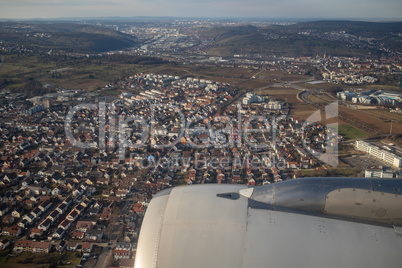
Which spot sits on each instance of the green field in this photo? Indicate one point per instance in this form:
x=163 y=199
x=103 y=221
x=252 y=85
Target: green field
x=70 y=37
x=39 y=260
x=351 y=133
x=307 y=172
x=85 y=73
x=343 y=172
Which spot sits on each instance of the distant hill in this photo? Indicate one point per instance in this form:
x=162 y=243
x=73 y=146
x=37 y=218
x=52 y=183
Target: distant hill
x=361 y=28
x=69 y=37
x=307 y=39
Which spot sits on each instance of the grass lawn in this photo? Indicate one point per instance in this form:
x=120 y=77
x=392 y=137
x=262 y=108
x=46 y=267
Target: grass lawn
x=3 y=256
x=343 y=151
x=307 y=172
x=351 y=133
x=344 y=172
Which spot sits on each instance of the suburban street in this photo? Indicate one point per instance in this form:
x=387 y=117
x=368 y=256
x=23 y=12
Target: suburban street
x=107 y=252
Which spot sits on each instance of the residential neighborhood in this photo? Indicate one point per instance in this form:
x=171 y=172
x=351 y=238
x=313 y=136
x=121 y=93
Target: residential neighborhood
x=55 y=192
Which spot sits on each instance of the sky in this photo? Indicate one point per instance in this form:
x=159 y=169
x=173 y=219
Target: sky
x=308 y=9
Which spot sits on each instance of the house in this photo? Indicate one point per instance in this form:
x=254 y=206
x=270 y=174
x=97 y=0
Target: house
x=29 y=202
x=45 y=205
x=34 y=189
x=32 y=246
x=17 y=212
x=20 y=197
x=29 y=217
x=35 y=198
x=94 y=235
x=122 y=251
x=80 y=207
x=72 y=216
x=3 y=209
x=77 y=235
x=102 y=181
x=84 y=226
x=65 y=224
x=139 y=208
x=127 y=246
x=71 y=246
x=292 y=165
x=106 y=214
x=77 y=192
x=22 y=245
x=56 y=191
x=8 y=219
x=121 y=193
x=108 y=192
x=87 y=247
x=220 y=177
x=251 y=181
x=130 y=228
x=68 y=201
x=54 y=215
x=98 y=205
x=36 y=212
x=45 y=224
x=4 y=244
x=58 y=234
x=236 y=179
x=82 y=188
x=23 y=224
x=90 y=191
x=62 y=208
x=121 y=254
x=61 y=246
x=36 y=232
x=93 y=211
x=12 y=231
x=85 y=202
x=41 y=247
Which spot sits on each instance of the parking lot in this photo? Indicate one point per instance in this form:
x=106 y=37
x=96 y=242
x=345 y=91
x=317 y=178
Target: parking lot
x=361 y=162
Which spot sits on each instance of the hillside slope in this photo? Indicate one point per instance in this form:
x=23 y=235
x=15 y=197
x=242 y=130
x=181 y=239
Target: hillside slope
x=337 y=38
x=68 y=37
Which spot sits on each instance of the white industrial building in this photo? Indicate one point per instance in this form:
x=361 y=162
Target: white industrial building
x=378 y=172
x=375 y=97
x=253 y=98
x=377 y=152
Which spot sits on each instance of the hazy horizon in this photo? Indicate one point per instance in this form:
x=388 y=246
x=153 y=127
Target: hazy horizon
x=258 y=9
x=245 y=19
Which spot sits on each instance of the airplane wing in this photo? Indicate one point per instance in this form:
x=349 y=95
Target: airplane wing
x=316 y=222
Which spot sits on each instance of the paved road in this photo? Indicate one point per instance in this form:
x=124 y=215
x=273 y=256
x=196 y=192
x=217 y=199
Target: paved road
x=107 y=251
x=304 y=97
